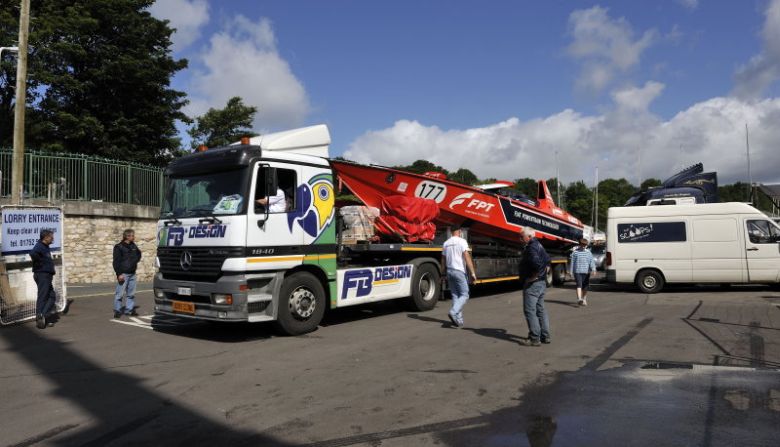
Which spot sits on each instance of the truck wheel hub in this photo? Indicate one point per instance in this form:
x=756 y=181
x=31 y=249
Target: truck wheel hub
x=302 y=303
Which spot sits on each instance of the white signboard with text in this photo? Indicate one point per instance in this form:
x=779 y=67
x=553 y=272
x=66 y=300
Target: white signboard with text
x=21 y=228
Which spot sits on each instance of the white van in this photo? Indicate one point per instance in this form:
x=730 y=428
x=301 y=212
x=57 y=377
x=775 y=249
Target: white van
x=719 y=243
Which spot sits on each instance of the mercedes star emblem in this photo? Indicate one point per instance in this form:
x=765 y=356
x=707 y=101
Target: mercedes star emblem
x=186 y=260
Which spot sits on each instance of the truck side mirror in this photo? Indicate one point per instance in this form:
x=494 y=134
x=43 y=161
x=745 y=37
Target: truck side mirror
x=271 y=181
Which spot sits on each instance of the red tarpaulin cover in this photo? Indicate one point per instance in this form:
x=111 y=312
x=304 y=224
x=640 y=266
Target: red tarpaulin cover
x=410 y=218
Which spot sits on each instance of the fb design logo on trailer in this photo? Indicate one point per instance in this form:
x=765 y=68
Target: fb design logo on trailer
x=363 y=280
x=314 y=210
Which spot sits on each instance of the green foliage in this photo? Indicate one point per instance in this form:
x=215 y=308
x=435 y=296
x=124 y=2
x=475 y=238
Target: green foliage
x=650 y=183
x=464 y=176
x=220 y=127
x=736 y=192
x=421 y=167
x=579 y=201
x=527 y=186
x=99 y=76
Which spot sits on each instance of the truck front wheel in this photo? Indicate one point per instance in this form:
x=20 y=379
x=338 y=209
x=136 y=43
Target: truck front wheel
x=426 y=288
x=301 y=304
x=650 y=281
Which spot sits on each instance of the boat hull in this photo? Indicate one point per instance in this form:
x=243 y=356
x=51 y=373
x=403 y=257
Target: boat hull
x=484 y=213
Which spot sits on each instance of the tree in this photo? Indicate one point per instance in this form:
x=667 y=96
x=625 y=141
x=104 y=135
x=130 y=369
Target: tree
x=650 y=183
x=527 y=186
x=421 y=167
x=613 y=192
x=579 y=201
x=220 y=127
x=99 y=77
x=464 y=176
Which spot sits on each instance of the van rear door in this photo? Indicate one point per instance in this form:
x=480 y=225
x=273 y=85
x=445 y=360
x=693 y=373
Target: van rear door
x=763 y=251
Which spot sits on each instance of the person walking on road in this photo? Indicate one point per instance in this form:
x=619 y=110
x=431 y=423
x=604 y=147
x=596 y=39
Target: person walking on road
x=533 y=272
x=126 y=258
x=457 y=264
x=581 y=264
x=43 y=274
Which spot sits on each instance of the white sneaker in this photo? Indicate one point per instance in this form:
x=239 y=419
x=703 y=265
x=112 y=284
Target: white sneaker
x=579 y=301
x=584 y=302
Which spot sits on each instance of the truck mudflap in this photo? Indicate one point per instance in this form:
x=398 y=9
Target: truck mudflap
x=244 y=297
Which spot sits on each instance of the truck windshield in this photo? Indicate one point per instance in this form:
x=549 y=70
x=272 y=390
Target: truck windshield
x=216 y=193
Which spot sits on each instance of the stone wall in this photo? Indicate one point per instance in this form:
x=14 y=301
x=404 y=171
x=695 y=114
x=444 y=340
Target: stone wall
x=91 y=231
x=89 y=245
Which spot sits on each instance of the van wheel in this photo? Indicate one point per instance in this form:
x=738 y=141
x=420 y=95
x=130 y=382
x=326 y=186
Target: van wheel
x=301 y=304
x=559 y=275
x=650 y=281
x=426 y=288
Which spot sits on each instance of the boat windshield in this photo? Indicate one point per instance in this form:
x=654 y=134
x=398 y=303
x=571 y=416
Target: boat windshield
x=214 y=193
x=516 y=195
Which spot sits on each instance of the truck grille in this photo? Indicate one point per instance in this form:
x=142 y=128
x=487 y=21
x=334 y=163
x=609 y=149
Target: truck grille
x=201 y=264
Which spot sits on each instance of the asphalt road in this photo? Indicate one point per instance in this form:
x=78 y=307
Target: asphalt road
x=692 y=366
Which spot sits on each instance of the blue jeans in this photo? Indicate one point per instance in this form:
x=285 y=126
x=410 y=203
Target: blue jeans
x=535 y=314
x=459 y=289
x=129 y=286
x=47 y=297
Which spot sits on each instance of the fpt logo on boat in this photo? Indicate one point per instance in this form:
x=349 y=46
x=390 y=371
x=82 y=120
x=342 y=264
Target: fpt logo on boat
x=475 y=204
x=364 y=280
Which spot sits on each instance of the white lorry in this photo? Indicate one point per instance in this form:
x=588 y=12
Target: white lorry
x=721 y=243
x=223 y=256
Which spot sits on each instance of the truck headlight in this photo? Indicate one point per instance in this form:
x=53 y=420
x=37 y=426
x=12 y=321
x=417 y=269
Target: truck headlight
x=221 y=298
x=158 y=293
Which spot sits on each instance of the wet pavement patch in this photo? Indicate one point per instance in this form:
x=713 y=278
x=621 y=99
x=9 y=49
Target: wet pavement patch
x=638 y=404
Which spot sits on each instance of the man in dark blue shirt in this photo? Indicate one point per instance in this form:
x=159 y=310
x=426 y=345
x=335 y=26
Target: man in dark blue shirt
x=43 y=273
x=533 y=273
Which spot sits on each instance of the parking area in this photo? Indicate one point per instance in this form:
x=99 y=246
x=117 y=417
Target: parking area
x=691 y=366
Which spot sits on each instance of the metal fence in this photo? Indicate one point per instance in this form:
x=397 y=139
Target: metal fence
x=82 y=177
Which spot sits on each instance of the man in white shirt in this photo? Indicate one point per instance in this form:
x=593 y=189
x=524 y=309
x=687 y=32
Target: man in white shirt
x=276 y=203
x=456 y=262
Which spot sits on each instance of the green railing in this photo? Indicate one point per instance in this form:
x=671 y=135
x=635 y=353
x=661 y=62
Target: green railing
x=82 y=177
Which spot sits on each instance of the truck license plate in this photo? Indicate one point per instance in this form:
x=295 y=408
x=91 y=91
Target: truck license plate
x=184 y=307
x=185 y=291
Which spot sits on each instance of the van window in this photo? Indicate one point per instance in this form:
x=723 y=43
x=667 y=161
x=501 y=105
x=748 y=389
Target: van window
x=651 y=232
x=286 y=181
x=762 y=232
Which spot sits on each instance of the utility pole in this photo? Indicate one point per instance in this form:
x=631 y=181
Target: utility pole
x=17 y=172
x=557 y=180
x=750 y=176
x=596 y=200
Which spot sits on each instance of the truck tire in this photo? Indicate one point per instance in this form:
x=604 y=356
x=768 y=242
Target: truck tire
x=548 y=277
x=650 y=281
x=302 y=304
x=559 y=274
x=426 y=288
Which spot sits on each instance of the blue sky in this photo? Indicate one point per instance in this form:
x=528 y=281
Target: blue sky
x=498 y=87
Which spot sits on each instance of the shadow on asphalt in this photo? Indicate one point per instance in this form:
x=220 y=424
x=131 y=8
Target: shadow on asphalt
x=497 y=333
x=120 y=408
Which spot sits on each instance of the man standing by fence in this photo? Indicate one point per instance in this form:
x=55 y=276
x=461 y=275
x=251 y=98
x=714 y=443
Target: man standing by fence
x=126 y=258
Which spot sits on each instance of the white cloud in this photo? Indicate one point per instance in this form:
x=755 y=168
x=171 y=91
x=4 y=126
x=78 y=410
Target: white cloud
x=690 y=4
x=634 y=98
x=712 y=132
x=604 y=46
x=186 y=17
x=242 y=60
x=763 y=69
